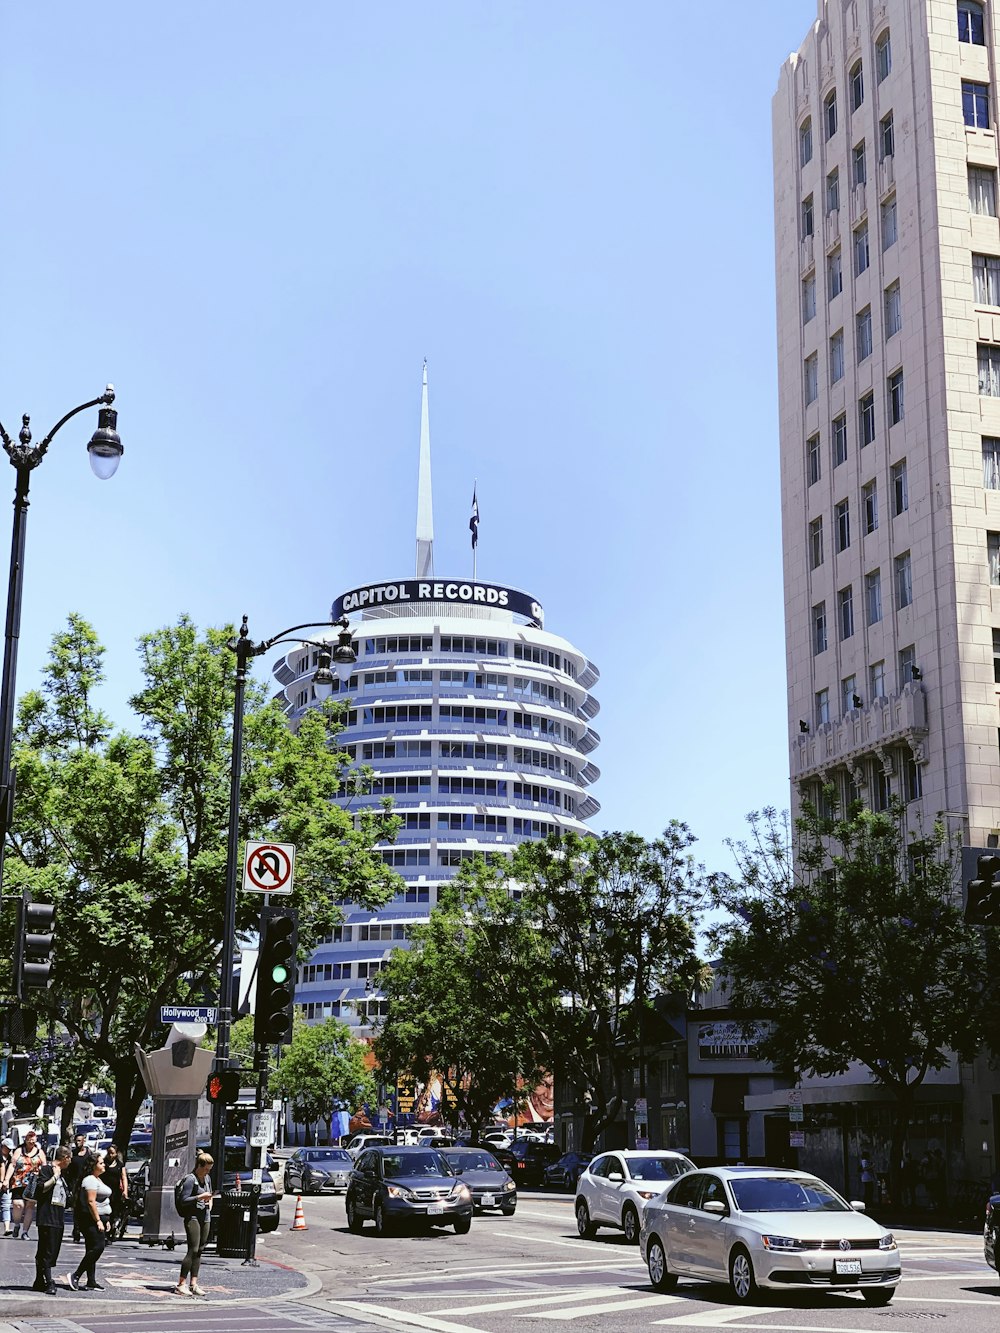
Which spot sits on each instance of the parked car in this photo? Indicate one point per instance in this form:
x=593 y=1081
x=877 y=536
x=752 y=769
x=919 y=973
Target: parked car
x=360 y=1142
x=491 y=1185
x=991 y=1228
x=497 y=1138
x=564 y=1174
x=766 y=1227
x=613 y=1189
x=318 y=1171
x=140 y=1148
x=393 y=1186
x=526 y=1160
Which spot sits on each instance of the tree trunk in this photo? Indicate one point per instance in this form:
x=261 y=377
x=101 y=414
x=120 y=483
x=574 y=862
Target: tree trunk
x=70 y=1098
x=129 y=1093
x=900 y=1129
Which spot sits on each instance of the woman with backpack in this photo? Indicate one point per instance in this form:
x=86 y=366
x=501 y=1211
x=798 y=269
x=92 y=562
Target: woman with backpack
x=193 y=1199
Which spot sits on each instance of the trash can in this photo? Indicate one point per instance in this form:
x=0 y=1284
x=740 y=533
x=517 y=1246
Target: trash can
x=237 y=1234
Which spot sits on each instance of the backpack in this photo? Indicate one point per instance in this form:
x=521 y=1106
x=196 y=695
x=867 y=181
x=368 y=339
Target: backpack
x=183 y=1208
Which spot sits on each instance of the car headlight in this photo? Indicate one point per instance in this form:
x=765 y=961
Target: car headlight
x=887 y=1242
x=784 y=1243
x=646 y=1194
x=460 y=1191
x=397 y=1192
x=509 y=1185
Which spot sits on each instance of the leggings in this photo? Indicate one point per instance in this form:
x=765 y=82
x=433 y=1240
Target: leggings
x=196 y=1229
x=94 y=1242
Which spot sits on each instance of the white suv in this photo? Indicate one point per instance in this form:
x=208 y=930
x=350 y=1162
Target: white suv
x=613 y=1189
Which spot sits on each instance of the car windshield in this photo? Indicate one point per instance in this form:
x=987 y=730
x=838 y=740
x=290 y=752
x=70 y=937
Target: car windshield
x=659 y=1168
x=777 y=1194
x=325 y=1155
x=140 y=1152
x=414 y=1164
x=472 y=1161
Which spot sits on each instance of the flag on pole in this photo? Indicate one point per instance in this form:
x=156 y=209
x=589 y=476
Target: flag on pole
x=474 y=520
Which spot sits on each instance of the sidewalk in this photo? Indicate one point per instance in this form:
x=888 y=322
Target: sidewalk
x=137 y=1277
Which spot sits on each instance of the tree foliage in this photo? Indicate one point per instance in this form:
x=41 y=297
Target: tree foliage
x=324 y=1068
x=126 y=833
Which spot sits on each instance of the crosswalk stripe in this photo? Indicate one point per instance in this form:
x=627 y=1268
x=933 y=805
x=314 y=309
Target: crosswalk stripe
x=722 y=1315
x=525 y=1301
x=406 y=1317
x=609 y=1307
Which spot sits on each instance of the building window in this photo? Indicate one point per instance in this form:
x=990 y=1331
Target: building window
x=822 y=707
x=894 y=385
x=971 y=27
x=845 y=612
x=907 y=661
x=989 y=370
x=837 y=356
x=864 y=333
x=819 y=628
x=860 y=249
x=911 y=776
x=813 y=462
x=808 y=218
x=991 y=463
x=830 y=113
x=986 y=279
x=873 y=596
x=996 y=655
x=866 y=419
x=848 y=689
x=869 y=501
x=805 y=142
x=993 y=557
x=889 y=223
x=886 y=137
x=983 y=191
x=856 y=80
x=859 y=164
x=883 y=56
x=812 y=378
x=883 y=789
x=976 y=105
x=893 y=310
x=815 y=543
x=834 y=275
x=808 y=298
x=876 y=681
x=900 y=491
x=904 y=580
x=840 y=440
x=833 y=191
x=842 y=519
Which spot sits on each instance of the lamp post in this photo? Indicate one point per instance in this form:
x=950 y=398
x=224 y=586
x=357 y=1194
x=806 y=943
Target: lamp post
x=342 y=659
x=105 y=449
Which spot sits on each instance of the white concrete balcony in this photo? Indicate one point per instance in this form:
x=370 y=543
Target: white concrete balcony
x=897 y=721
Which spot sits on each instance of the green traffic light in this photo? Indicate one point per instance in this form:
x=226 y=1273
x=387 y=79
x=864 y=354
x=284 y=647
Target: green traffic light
x=279 y=974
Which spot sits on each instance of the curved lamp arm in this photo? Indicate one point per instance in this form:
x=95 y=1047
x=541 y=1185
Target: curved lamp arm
x=23 y=455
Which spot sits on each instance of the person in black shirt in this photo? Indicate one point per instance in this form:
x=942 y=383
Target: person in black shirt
x=74 y=1174
x=116 y=1178
x=50 y=1219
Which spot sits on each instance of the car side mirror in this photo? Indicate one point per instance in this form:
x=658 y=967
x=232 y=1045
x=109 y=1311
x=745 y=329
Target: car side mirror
x=857 y=1205
x=616 y=1178
x=715 y=1206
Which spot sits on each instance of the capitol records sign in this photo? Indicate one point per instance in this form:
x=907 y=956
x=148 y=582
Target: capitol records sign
x=460 y=592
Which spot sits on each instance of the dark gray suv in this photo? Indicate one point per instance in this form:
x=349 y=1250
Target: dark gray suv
x=400 y=1186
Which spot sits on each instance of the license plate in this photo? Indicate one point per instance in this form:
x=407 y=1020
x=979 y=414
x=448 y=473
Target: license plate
x=847 y=1267
x=488 y=1201
x=439 y=1208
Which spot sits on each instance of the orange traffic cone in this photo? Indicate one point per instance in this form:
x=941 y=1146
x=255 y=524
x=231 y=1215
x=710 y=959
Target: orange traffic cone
x=299 y=1221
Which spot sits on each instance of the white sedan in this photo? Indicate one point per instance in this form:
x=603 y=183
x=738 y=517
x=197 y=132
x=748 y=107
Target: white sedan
x=766 y=1227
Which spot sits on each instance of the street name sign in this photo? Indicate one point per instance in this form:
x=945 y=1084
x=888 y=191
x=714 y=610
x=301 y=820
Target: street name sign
x=268 y=867
x=188 y=1013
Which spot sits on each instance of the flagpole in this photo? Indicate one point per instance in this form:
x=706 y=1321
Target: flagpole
x=475 y=530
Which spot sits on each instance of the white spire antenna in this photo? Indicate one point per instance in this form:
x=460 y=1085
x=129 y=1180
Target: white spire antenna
x=425 y=506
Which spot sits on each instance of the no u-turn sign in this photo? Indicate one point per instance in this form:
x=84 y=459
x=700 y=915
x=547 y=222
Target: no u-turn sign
x=268 y=867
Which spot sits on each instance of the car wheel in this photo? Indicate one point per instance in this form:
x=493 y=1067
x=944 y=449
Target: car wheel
x=656 y=1261
x=584 y=1225
x=270 y=1225
x=354 y=1223
x=382 y=1227
x=509 y=1212
x=630 y=1224
x=879 y=1296
x=741 y=1277
x=463 y=1225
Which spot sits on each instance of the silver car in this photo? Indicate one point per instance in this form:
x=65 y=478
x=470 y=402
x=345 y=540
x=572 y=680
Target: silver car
x=766 y=1227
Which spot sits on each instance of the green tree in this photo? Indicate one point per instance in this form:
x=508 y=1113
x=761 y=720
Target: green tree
x=126 y=834
x=324 y=1065
x=848 y=938
x=449 y=1014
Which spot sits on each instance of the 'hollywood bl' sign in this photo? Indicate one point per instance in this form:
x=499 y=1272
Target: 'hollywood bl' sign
x=438 y=590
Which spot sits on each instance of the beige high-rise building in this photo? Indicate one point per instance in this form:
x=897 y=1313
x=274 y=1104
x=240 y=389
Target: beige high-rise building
x=888 y=307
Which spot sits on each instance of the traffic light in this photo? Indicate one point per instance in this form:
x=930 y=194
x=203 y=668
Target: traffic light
x=224 y=1087
x=33 y=942
x=279 y=939
x=14 y=1071
x=982 y=903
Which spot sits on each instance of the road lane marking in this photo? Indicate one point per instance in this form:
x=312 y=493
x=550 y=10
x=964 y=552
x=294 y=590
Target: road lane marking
x=537 y=1299
x=404 y=1317
x=507 y=1270
x=609 y=1307
x=723 y=1315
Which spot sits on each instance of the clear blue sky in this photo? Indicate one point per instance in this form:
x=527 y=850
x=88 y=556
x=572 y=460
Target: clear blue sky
x=258 y=221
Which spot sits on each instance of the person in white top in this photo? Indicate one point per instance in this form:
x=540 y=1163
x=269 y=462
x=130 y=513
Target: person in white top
x=94 y=1204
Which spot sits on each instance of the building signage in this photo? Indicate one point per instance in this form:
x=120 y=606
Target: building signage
x=175 y=1142
x=796 y=1138
x=728 y=1040
x=462 y=592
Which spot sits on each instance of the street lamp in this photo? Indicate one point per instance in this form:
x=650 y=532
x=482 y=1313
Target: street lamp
x=341 y=661
x=105 y=450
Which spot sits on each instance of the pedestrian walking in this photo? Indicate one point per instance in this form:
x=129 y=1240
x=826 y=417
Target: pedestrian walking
x=50 y=1200
x=6 y=1179
x=94 y=1203
x=116 y=1179
x=194 y=1203
x=869 y=1181
x=28 y=1161
x=74 y=1174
